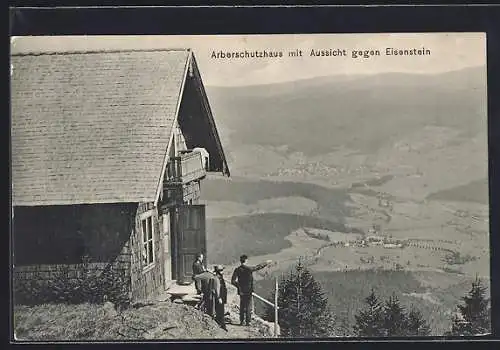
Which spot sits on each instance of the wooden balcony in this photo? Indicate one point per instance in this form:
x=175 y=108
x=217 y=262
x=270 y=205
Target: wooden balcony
x=184 y=169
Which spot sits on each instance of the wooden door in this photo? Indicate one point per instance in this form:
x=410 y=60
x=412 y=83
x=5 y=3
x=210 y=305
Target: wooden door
x=192 y=239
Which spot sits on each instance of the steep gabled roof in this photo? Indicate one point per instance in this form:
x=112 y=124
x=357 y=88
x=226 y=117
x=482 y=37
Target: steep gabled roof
x=93 y=127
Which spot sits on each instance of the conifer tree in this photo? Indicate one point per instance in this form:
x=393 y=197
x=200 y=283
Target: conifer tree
x=389 y=319
x=370 y=322
x=417 y=326
x=474 y=314
x=303 y=308
x=395 y=320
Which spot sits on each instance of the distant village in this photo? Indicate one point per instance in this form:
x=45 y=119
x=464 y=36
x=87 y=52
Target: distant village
x=373 y=237
x=318 y=168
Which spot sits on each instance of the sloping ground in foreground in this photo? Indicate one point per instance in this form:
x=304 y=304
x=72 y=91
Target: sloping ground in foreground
x=164 y=320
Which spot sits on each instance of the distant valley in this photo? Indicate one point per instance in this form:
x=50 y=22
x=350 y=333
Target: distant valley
x=319 y=165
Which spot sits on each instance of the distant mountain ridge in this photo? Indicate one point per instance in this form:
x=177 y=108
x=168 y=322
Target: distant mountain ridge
x=476 y=71
x=314 y=116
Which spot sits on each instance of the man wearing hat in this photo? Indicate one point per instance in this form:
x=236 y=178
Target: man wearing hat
x=220 y=296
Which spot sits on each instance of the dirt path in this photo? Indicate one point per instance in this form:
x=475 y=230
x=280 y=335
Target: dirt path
x=235 y=330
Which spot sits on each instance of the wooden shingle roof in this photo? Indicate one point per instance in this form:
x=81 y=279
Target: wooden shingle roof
x=92 y=127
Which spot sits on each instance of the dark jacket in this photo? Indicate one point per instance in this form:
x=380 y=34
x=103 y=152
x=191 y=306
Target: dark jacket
x=222 y=290
x=198 y=268
x=243 y=278
x=208 y=285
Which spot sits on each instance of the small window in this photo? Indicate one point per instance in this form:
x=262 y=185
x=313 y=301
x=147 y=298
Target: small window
x=147 y=240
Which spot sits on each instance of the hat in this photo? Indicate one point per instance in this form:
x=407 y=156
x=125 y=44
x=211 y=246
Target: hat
x=218 y=268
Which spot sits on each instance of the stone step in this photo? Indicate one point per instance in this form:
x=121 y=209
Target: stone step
x=177 y=290
x=191 y=298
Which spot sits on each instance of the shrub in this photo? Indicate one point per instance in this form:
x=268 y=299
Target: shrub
x=88 y=285
x=455 y=258
x=369 y=260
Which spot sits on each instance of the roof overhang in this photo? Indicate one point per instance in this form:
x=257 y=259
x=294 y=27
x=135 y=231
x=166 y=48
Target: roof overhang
x=195 y=74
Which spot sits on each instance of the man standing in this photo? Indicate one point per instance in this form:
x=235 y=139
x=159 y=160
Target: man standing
x=220 y=296
x=198 y=268
x=243 y=280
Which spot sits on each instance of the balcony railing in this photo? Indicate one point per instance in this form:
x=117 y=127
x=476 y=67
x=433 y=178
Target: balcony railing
x=184 y=169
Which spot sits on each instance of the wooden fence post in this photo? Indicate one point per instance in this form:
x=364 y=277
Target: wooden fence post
x=276 y=307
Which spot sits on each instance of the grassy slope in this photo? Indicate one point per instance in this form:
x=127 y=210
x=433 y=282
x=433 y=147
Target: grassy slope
x=95 y=322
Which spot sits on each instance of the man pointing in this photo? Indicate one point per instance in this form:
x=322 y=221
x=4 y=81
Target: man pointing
x=243 y=280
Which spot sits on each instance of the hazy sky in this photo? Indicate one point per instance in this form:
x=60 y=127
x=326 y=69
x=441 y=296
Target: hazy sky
x=449 y=51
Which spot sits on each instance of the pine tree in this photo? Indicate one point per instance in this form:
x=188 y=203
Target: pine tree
x=395 y=320
x=370 y=322
x=417 y=326
x=474 y=314
x=389 y=319
x=303 y=307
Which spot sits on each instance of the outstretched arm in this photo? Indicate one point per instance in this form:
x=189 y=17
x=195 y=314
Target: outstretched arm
x=261 y=265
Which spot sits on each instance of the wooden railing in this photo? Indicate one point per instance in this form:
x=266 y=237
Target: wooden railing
x=184 y=169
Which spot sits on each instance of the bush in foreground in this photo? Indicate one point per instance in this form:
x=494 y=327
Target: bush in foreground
x=89 y=286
